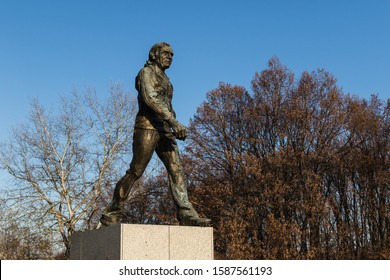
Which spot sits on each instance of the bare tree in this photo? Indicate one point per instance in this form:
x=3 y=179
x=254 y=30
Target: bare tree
x=62 y=163
x=19 y=242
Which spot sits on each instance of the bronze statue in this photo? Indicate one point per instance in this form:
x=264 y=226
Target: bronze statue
x=156 y=129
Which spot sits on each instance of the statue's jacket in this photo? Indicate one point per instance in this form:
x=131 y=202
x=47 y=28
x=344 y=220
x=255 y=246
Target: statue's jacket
x=155 y=93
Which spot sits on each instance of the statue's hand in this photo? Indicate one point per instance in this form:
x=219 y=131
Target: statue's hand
x=179 y=131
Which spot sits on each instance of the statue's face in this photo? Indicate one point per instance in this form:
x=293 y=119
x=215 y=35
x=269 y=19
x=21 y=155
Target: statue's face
x=164 y=60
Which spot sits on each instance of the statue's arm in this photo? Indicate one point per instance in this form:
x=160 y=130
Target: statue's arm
x=149 y=97
x=172 y=110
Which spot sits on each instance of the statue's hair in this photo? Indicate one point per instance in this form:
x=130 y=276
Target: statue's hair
x=155 y=50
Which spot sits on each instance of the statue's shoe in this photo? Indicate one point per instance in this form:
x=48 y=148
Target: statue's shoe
x=194 y=221
x=111 y=218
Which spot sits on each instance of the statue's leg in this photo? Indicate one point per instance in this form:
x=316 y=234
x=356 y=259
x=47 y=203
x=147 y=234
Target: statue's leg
x=144 y=144
x=168 y=152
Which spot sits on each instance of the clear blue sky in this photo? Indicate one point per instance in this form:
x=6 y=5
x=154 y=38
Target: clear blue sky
x=47 y=48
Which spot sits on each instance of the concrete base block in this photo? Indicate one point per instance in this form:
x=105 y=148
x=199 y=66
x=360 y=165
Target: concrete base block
x=143 y=242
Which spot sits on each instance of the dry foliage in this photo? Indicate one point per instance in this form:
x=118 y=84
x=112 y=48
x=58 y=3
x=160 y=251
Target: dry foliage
x=297 y=170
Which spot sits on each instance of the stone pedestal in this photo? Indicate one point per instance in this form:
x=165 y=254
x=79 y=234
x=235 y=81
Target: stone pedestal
x=143 y=242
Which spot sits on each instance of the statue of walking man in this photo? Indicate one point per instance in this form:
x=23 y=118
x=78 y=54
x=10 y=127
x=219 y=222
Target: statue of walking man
x=156 y=129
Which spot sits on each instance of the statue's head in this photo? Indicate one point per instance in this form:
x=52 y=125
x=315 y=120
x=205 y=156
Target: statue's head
x=161 y=54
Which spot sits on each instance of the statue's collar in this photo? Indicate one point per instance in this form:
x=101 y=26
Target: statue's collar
x=156 y=69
